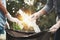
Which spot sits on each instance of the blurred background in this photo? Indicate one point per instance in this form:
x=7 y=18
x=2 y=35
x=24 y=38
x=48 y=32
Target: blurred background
x=32 y=6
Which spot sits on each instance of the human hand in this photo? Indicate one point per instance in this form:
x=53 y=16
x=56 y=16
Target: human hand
x=20 y=24
x=54 y=28
x=35 y=16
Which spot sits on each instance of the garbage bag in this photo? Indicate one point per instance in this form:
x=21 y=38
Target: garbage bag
x=16 y=35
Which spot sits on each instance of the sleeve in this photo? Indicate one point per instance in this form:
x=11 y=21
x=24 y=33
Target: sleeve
x=48 y=7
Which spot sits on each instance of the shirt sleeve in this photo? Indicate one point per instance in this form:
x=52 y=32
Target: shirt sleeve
x=48 y=6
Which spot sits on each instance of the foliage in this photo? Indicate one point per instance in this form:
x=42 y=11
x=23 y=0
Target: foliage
x=16 y=26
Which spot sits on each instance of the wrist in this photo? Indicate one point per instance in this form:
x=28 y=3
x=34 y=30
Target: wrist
x=58 y=23
x=39 y=13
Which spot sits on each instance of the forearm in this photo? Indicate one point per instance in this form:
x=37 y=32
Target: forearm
x=44 y=10
x=47 y=8
x=10 y=18
x=41 y=12
x=6 y=13
x=3 y=9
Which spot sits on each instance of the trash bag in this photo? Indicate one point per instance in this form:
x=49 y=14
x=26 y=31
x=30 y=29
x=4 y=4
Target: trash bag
x=16 y=35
